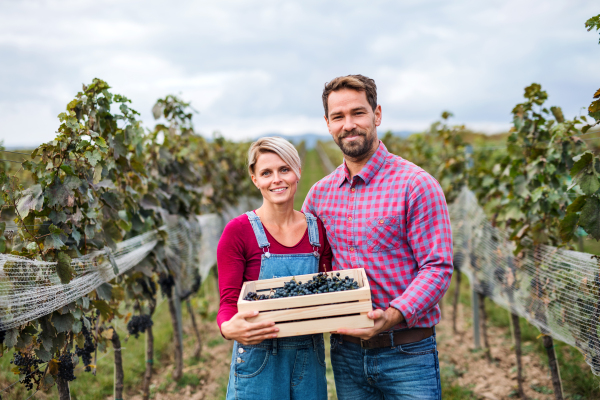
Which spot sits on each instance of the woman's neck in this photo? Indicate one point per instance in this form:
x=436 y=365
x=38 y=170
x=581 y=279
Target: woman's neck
x=277 y=214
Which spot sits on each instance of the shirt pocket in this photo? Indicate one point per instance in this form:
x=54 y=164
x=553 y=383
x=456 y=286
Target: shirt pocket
x=334 y=228
x=383 y=233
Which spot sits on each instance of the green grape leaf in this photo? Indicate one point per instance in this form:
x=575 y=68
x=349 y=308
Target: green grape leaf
x=63 y=268
x=63 y=322
x=43 y=354
x=594 y=110
x=589 y=183
x=104 y=291
x=53 y=241
x=558 y=114
x=62 y=194
x=577 y=204
x=93 y=157
x=32 y=199
x=589 y=219
x=582 y=161
x=12 y=335
x=568 y=226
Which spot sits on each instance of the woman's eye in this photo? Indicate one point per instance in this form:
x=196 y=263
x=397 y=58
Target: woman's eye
x=285 y=170
x=265 y=173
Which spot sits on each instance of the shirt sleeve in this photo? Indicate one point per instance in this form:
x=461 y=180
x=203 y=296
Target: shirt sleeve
x=231 y=264
x=309 y=202
x=430 y=238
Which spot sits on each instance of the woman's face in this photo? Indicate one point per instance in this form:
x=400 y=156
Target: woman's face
x=275 y=179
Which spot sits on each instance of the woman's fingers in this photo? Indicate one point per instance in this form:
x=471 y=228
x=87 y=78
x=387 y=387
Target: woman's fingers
x=244 y=315
x=267 y=333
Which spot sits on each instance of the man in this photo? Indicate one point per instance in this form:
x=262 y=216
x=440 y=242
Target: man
x=389 y=216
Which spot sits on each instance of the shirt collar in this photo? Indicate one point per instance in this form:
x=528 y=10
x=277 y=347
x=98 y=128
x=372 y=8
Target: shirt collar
x=369 y=170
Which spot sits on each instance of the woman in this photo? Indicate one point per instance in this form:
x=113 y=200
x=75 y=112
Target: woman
x=272 y=241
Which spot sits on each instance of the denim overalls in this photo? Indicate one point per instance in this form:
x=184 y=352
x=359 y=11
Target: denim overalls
x=291 y=368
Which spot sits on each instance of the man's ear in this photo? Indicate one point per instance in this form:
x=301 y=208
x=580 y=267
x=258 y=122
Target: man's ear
x=378 y=115
x=326 y=121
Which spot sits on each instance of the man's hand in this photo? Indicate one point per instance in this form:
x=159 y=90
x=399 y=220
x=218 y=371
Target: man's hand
x=384 y=320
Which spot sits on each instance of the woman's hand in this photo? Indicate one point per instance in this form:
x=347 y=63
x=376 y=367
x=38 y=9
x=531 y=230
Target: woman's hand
x=237 y=328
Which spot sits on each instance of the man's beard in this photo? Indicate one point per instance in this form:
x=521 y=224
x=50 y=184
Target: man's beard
x=358 y=148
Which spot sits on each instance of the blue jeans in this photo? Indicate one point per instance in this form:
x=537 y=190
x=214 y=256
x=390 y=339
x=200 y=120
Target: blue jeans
x=408 y=371
x=280 y=369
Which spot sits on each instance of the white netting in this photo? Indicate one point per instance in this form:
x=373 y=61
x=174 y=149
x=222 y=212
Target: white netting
x=556 y=290
x=30 y=289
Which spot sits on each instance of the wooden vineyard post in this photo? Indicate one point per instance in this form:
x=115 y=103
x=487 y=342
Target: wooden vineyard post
x=198 y=349
x=456 y=297
x=518 y=352
x=488 y=353
x=118 y=385
x=177 y=335
x=554 y=369
x=64 y=392
x=515 y=322
x=149 y=359
x=476 y=322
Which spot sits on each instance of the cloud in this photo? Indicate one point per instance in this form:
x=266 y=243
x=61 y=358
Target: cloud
x=255 y=67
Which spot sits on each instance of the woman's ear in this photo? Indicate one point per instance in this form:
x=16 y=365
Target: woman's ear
x=254 y=181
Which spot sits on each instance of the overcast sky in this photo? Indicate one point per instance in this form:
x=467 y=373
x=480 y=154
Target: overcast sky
x=255 y=67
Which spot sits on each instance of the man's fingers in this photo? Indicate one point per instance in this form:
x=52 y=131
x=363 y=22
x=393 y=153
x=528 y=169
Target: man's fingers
x=375 y=314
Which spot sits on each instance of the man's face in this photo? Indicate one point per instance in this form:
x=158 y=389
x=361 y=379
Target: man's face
x=352 y=123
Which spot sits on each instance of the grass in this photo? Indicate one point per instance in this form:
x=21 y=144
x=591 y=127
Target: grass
x=312 y=171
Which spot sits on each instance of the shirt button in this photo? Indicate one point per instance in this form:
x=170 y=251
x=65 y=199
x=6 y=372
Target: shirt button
x=381 y=221
x=351 y=248
x=240 y=350
x=349 y=218
x=239 y=360
x=353 y=189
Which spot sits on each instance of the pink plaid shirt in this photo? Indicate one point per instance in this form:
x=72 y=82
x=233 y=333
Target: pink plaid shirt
x=392 y=220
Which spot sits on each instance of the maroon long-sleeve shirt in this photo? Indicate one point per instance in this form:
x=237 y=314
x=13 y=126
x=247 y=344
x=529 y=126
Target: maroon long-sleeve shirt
x=238 y=259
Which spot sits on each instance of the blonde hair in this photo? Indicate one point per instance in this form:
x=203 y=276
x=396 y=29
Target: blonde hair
x=284 y=149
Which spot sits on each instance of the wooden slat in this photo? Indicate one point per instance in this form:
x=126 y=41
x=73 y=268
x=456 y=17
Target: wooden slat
x=314 y=312
x=323 y=325
x=305 y=301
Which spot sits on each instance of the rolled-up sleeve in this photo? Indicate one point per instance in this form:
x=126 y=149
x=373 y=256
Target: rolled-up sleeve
x=430 y=238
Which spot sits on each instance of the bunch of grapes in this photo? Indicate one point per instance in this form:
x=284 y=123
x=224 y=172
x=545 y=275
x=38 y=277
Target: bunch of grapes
x=88 y=348
x=66 y=367
x=166 y=283
x=320 y=283
x=28 y=365
x=139 y=324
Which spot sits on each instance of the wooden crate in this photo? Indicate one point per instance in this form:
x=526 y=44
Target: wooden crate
x=315 y=313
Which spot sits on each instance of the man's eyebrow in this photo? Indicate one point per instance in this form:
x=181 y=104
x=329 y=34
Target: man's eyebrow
x=361 y=108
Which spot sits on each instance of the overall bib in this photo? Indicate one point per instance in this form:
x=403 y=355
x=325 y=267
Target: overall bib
x=291 y=368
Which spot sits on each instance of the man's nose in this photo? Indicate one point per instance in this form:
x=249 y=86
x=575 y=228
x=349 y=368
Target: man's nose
x=349 y=124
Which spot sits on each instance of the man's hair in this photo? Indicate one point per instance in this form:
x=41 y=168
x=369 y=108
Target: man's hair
x=284 y=149
x=359 y=83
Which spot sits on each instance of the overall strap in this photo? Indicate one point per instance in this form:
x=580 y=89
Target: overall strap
x=258 y=229
x=313 y=229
